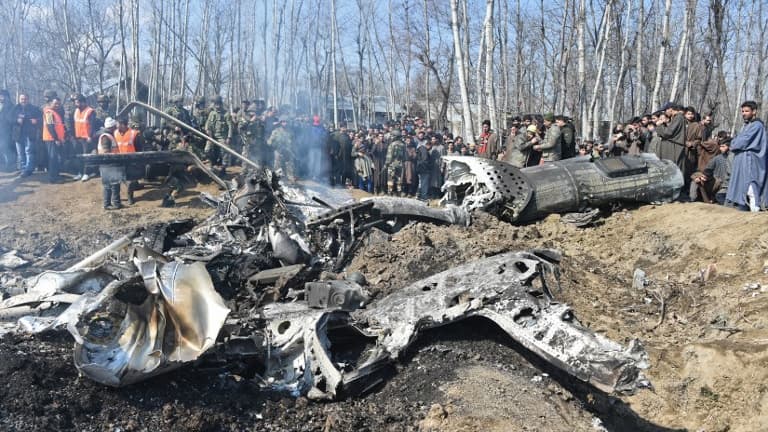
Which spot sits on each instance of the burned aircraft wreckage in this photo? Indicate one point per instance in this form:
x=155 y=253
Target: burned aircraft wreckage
x=261 y=283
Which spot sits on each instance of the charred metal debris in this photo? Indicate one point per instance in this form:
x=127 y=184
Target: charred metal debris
x=258 y=290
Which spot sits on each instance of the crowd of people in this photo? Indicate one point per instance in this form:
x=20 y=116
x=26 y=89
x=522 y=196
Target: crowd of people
x=401 y=157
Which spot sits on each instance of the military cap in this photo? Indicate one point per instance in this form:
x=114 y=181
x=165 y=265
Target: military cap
x=217 y=99
x=102 y=98
x=549 y=117
x=50 y=94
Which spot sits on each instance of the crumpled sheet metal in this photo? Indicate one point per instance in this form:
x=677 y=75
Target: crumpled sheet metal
x=299 y=360
x=508 y=289
x=415 y=209
x=47 y=295
x=501 y=288
x=119 y=342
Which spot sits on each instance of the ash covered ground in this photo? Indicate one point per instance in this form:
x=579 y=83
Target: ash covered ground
x=707 y=343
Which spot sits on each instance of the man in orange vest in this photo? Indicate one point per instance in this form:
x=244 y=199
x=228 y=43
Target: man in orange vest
x=54 y=134
x=84 y=120
x=128 y=140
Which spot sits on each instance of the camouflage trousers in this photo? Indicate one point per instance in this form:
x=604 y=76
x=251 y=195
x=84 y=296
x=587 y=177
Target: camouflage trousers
x=394 y=176
x=284 y=160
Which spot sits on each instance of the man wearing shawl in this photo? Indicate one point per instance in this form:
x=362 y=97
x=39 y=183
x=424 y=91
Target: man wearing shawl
x=747 y=188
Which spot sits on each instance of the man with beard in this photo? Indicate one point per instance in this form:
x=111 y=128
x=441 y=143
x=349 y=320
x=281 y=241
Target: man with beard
x=550 y=148
x=26 y=134
x=670 y=127
x=747 y=188
x=693 y=139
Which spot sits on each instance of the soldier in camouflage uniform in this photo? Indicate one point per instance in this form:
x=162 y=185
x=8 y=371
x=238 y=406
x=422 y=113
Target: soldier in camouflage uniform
x=394 y=162
x=235 y=140
x=219 y=127
x=252 y=131
x=281 y=142
x=199 y=116
x=180 y=113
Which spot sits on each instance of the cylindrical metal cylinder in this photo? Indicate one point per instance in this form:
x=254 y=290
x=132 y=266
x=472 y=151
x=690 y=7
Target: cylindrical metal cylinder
x=572 y=185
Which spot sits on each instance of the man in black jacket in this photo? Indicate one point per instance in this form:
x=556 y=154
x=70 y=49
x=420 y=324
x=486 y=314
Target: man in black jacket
x=424 y=168
x=29 y=120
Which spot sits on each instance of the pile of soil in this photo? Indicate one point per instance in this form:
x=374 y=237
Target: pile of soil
x=699 y=312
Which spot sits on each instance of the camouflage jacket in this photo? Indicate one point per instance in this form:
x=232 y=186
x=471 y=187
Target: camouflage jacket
x=200 y=116
x=395 y=153
x=219 y=125
x=252 y=129
x=281 y=139
x=181 y=114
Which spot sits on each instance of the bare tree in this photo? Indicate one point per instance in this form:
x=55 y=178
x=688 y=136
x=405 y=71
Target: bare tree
x=490 y=46
x=655 y=99
x=469 y=134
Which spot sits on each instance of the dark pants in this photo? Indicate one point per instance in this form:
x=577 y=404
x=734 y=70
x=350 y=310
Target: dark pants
x=8 y=151
x=54 y=159
x=111 y=193
x=365 y=184
x=111 y=187
x=41 y=155
x=81 y=147
x=336 y=172
x=720 y=198
x=424 y=186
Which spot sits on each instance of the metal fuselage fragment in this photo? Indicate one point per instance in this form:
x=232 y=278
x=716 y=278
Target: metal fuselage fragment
x=570 y=185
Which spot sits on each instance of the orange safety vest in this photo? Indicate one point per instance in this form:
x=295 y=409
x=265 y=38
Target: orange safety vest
x=58 y=126
x=82 y=123
x=102 y=148
x=126 y=141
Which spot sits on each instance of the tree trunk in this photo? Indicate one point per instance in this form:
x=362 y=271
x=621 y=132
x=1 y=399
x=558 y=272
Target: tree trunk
x=479 y=77
x=333 y=65
x=639 y=105
x=426 y=68
x=605 y=33
x=622 y=66
x=490 y=47
x=679 y=60
x=582 y=74
x=655 y=98
x=469 y=135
